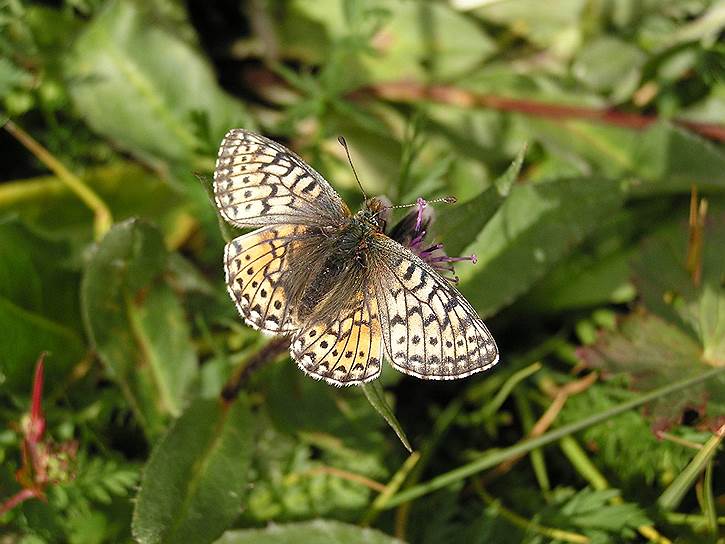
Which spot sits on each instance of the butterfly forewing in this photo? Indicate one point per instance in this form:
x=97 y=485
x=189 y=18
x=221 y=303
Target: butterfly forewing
x=430 y=330
x=348 y=351
x=255 y=265
x=258 y=182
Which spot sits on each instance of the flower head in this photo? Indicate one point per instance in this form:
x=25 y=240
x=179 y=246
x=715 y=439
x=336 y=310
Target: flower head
x=411 y=231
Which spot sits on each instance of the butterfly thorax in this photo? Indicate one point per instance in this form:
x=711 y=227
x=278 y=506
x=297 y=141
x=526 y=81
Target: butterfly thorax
x=335 y=265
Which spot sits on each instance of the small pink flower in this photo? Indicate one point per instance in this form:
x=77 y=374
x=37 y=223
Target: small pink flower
x=411 y=232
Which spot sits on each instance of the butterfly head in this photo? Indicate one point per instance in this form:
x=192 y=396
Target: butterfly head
x=375 y=213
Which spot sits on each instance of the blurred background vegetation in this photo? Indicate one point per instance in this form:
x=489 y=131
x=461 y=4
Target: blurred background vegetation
x=583 y=140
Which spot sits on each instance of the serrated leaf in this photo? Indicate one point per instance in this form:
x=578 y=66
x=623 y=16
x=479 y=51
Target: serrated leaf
x=124 y=75
x=594 y=512
x=668 y=289
x=376 y=396
x=535 y=227
x=318 y=531
x=654 y=352
x=136 y=323
x=307 y=428
x=686 y=333
x=195 y=481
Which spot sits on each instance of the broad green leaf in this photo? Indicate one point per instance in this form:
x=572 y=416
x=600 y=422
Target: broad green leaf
x=672 y=159
x=124 y=74
x=582 y=281
x=136 y=323
x=411 y=35
x=599 y=271
x=47 y=205
x=319 y=531
x=376 y=396
x=609 y=64
x=25 y=335
x=460 y=225
x=546 y=25
x=535 y=227
x=662 y=159
x=195 y=481
x=38 y=307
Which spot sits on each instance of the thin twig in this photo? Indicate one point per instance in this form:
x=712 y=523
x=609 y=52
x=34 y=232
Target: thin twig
x=391 y=489
x=102 y=215
x=410 y=91
x=547 y=419
x=349 y=476
x=273 y=349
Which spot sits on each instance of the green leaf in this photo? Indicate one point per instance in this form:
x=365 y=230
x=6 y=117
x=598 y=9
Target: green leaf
x=535 y=227
x=668 y=289
x=686 y=333
x=47 y=205
x=675 y=492
x=655 y=352
x=610 y=64
x=376 y=396
x=318 y=531
x=595 y=513
x=412 y=35
x=672 y=159
x=136 y=323
x=583 y=281
x=544 y=25
x=459 y=225
x=124 y=74
x=626 y=445
x=196 y=478
x=38 y=308
x=662 y=159
x=308 y=427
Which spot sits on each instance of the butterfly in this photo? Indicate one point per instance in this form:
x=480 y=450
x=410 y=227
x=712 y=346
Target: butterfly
x=345 y=293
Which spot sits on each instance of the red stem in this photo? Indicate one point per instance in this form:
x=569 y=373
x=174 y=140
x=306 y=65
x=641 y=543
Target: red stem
x=21 y=496
x=37 y=420
x=407 y=91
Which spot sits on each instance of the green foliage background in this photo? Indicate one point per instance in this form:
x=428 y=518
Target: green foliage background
x=603 y=289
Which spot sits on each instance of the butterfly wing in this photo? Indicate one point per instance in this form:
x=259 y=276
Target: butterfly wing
x=347 y=351
x=430 y=330
x=258 y=182
x=255 y=265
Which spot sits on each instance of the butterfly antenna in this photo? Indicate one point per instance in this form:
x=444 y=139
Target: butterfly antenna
x=343 y=143
x=446 y=199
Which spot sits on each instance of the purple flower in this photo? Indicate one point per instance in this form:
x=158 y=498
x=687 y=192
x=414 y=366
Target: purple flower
x=411 y=232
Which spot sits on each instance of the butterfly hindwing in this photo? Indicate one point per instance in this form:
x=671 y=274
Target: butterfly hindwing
x=260 y=182
x=430 y=330
x=254 y=266
x=348 y=351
